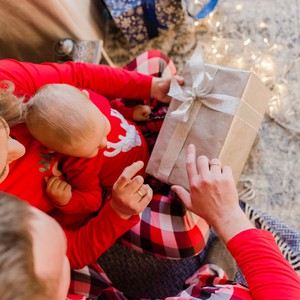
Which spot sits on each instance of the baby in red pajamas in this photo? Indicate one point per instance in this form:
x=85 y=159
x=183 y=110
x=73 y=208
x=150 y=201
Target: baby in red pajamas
x=75 y=131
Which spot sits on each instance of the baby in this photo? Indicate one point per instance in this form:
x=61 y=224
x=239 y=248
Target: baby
x=74 y=132
x=65 y=120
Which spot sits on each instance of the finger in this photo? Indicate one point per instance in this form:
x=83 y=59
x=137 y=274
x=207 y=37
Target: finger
x=62 y=185
x=143 y=189
x=56 y=184
x=183 y=195
x=215 y=166
x=203 y=166
x=68 y=188
x=136 y=183
x=146 y=108
x=127 y=175
x=191 y=162
x=52 y=182
x=147 y=111
x=146 y=199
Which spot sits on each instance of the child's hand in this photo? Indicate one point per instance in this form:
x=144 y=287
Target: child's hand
x=141 y=112
x=59 y=191
x=129 y=195
x=160 y=88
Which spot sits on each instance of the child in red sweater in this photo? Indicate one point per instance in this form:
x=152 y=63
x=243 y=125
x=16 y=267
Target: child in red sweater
x=67 y=123
x=64 y=120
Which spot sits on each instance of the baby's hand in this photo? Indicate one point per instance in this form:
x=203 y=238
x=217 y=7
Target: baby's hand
x=129 y=195
x=59 y=191
x=141 y=112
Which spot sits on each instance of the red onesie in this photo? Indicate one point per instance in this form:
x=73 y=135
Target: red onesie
x=125 y=142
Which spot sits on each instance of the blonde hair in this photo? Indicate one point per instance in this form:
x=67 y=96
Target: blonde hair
x=18 y=280
x=60 y=112
x=11 y=106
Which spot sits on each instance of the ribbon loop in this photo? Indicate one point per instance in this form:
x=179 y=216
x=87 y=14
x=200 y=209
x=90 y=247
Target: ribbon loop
x=198 y=84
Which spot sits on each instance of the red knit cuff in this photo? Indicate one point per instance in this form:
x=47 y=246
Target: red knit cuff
x=127 y=112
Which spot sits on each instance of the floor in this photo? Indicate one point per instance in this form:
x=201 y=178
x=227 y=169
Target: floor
x=264 y=36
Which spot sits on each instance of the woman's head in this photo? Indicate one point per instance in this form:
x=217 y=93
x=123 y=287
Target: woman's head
x=10 y=114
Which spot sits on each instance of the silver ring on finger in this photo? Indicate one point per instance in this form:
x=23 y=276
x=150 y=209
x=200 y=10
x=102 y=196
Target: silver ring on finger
x=214 y=164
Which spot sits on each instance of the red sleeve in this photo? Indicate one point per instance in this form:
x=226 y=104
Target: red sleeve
x=82 y=175
x=127 y=112
x=86 y=244
x=267 y=273
x=107 y=81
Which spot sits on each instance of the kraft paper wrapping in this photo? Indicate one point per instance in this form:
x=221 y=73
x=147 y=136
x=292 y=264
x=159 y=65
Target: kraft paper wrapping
x=219 y=110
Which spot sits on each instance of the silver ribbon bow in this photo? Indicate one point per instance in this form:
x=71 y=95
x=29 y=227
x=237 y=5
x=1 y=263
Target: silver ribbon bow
x=198 y=84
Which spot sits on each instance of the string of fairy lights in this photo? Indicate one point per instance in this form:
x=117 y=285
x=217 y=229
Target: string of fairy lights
x=229 y=47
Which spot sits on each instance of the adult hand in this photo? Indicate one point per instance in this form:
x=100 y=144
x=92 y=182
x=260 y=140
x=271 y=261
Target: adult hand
x=160 y=88
x=213 y=195
x=141 y=112
x=130 y=195
x=59 y=191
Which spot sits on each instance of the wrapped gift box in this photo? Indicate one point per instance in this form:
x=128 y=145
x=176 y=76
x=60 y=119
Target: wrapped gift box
x=219 y=110
x=140 y=20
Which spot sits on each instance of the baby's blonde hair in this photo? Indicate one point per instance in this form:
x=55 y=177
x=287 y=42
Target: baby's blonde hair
x=11 y=106
x=58 y=113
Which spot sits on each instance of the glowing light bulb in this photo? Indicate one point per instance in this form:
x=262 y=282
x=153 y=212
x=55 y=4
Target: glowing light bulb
x=262 y=25
x=267 y=64
x=281 y=88
x=247 y=42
